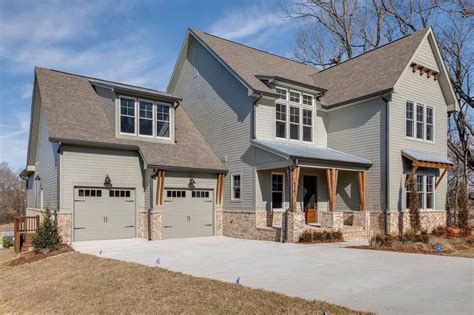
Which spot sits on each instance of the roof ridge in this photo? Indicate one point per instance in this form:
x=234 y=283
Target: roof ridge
x=257 y=49
x=372 y=50
x=98 y=79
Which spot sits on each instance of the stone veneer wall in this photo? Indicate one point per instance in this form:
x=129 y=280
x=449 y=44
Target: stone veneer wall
x=64 y=220
x=399 y=222
x=156 y=219
x=249 y=225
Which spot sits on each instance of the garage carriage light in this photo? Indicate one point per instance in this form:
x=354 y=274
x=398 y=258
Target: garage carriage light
x=107 y=180
x=192 y=182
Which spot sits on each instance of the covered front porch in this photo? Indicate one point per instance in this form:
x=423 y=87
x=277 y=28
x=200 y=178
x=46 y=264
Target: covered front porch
x=309 y=187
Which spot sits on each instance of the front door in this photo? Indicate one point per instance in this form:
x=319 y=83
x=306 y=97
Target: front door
x=310 y=198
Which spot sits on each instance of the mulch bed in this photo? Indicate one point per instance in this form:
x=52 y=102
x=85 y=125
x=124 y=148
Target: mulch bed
x=33 y=256
x=409 y=250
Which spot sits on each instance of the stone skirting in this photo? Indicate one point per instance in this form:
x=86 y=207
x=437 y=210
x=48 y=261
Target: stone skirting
x=249 y=225
x=156 y=220
x=399 y=222
x=64 y=220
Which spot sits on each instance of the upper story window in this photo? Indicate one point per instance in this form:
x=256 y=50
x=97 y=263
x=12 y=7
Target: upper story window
x=144 y=118
x=145 y=121
x=295 y=96
x=236 y=180
x=419 y=121
x=281 y=93
x=127 y=115
x=162 y=120
x=294 y=118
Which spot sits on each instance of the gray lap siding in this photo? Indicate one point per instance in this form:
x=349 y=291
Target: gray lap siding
x=219 y=106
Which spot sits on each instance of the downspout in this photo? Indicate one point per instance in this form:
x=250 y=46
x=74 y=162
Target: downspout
x=150 y=209
x=387 y=163
x=58 y=180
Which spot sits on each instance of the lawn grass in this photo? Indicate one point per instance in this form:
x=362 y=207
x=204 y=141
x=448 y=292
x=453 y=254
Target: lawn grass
x=80 y=283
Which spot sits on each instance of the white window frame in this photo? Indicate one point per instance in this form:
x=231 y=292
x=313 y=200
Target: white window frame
x=153 y=109
x=282 y=192
x=232 y=186
x=424 y=192
x=413 y=120
x=155 y=118
x=283 y=89
x=280 y=102
x=301 y=107
x=312 y=99
x=298 y=124
x=425 y=122
x=432 y=124
x=120 y=115
x=422 y=122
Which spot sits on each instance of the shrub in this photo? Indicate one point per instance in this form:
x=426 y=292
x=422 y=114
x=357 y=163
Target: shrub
x=413 y=205
x=6 y=243
x=319 y=236
x=47 y=236
x=439 y=231
x=337 y=236
x=305 y=237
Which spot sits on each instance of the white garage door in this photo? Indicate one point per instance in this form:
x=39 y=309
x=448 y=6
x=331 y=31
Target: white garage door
x=188 y=213
x=101 y=213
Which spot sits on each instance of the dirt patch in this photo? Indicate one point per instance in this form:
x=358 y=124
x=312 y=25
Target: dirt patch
x=455 y=246
x=33 y=256
x=78 y=283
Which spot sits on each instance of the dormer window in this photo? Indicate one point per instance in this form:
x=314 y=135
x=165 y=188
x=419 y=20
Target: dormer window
x=127 y=115
x=145 y=118
x=145 y=122
x=162 y=120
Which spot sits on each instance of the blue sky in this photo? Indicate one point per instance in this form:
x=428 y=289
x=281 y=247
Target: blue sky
x=135 y=42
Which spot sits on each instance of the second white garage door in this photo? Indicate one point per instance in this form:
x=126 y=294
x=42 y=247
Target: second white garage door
x=188 y=213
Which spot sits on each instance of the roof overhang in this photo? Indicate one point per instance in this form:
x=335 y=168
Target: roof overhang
x=134 y=90
x=426 y=159
x=273 y=78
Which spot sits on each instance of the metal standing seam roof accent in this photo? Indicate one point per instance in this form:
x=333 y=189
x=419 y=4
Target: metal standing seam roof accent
x=307 y=151
x=425 y=156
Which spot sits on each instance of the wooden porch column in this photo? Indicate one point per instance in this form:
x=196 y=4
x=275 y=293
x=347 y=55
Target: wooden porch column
x=362 y=178
x=160 y=187
x=295 y=178
x=220 y=189
x=331 y=176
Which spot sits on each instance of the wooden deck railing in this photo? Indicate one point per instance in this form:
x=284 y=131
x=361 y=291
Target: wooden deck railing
x=24 y=225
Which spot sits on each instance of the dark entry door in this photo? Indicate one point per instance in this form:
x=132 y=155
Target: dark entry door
x=310 y=198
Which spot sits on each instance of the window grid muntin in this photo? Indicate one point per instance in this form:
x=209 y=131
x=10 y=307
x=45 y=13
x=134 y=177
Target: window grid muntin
x=236 y=184
x=145 y=114
x=163 y=120
x=420 y=121
x=127 y=114
x=429 y=123
x=295 y=97
x=282 y=93
x=307 y=99
x=280 y=125
x=278 y=190
x=307 y=125
x=425 y=185
x=294 y=123
x=409 y=119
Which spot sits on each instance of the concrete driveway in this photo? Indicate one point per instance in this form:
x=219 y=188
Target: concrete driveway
x=383 y=282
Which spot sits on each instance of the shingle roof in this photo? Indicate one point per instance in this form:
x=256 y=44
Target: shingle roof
x=308 y=151
x=374 y=71
x=248 y=62
x=425 y=156
x=75 y=113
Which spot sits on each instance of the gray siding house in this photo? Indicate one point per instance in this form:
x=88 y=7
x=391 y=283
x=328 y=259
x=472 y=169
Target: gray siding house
x=244 y=144
x=312 y=149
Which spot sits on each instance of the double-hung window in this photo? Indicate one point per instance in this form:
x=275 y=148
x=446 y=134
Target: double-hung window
x=294 y=123
x=420 y=121
x=307 y=125
x=307 y=100
x=236 y=186
x=281 y=93
x=145 y=118
x=425 y=187
x=410 y=123
x=295 y=97
x=429 y=123
x=280 y=120
x=127 y=115
x=162 y=120
x=277 y=191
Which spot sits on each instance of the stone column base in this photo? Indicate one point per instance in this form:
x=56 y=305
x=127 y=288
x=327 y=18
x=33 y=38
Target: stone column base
x=332 y=219
x=156 y=219
x=64 y=221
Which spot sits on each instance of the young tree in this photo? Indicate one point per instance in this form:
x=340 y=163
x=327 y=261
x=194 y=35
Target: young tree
x=47 y=236
x=12 y=194
x=414 y=206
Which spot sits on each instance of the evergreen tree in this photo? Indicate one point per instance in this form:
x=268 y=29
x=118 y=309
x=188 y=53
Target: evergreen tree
x=47 y=236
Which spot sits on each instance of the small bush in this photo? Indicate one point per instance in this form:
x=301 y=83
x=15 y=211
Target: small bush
x=319 y=236
x=7 y=243
x=397 y=240
x=305 y=237
x=47 y=236
x=337 y=235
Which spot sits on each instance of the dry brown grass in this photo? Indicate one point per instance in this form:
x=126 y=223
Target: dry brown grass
x=79 y=283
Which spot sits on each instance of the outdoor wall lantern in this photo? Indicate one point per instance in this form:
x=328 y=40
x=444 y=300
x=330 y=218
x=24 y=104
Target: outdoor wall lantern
x=192 y=182
x=37 y=178
x=107 y=180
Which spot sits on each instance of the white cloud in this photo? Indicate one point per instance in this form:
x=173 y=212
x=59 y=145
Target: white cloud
x=245 y=23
